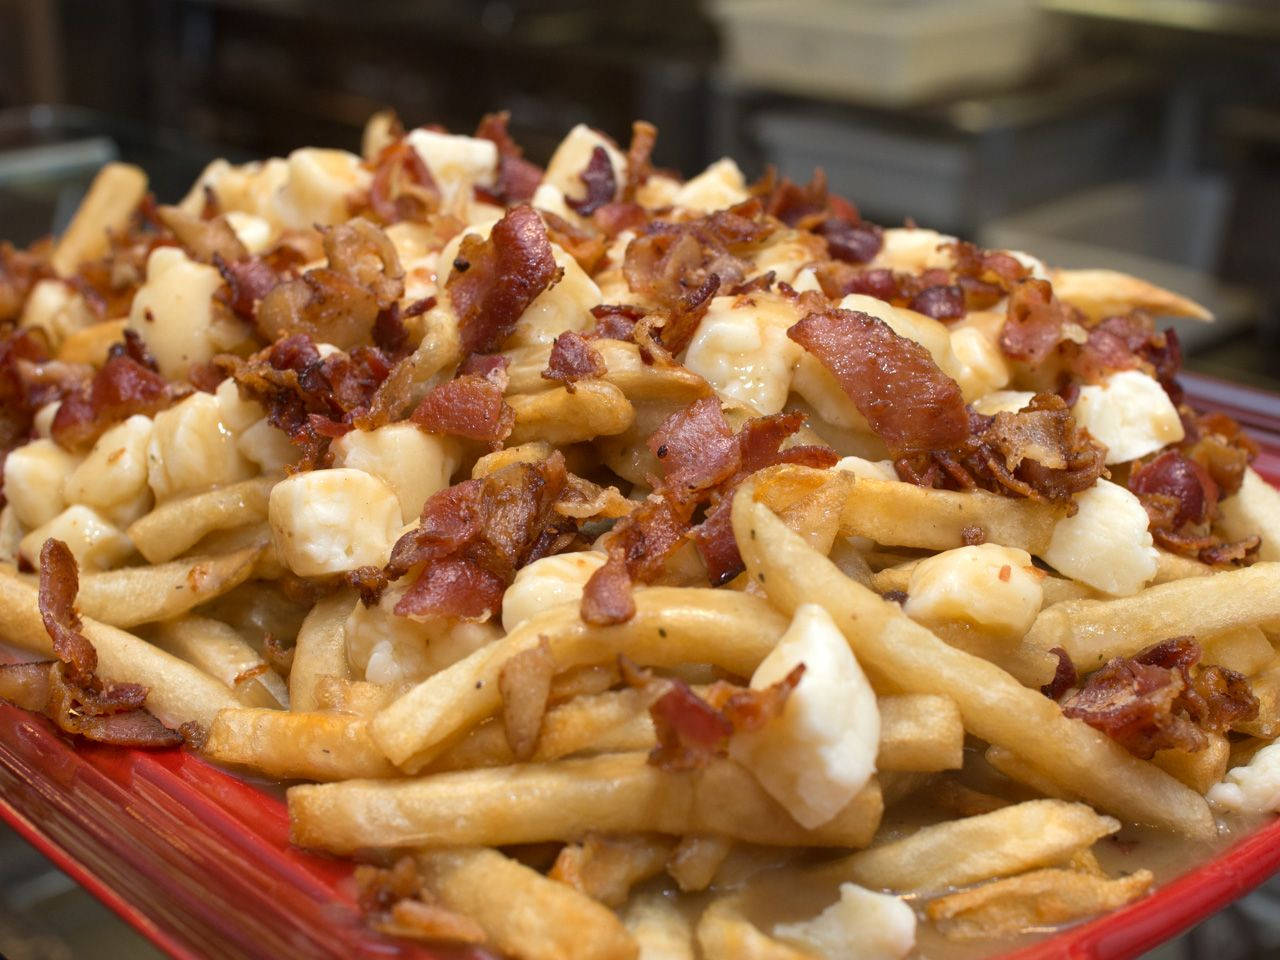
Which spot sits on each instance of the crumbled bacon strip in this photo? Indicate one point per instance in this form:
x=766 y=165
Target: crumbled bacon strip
x=517 y=177
x=121 y=388
x=1128 y=342
x=615 y=321
x=607 y=598
x=469 y=406
x=1217 y=443
x=503 y=275
x=696 y=449
x=1064 y=675
x=402 y=187
x=20 y=270
x=587 y=247
x=1181 y=499
x=639 y=157
x=248 y=281
x=601 y=184
x=909 y=402
x=525 y=683
x=1033 y=322
x=573 y=358
x=59 y=584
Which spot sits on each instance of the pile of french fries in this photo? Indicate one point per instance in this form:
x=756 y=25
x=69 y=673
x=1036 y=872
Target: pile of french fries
x=509 y=759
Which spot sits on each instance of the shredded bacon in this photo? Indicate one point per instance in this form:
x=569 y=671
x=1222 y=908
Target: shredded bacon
x=1218 y=444
x=1064 y=675
x=615 y=321
x=1160 y=699
x=1033 y=322
x=639 y=157
x=601 y=184
x=908 y=401
x=517 y=177
x=20 y=270
x=573 y=358
x=402 y=187
x=121 y=388
x=1128 y=342
x=1181 y=499
x=607 y=597
x=248 y=281
x=494 y=280
x=469 y=406
x=587 y=247
x=696 y=448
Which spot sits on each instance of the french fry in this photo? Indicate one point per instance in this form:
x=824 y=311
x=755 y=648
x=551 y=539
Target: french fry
x=1171 y=566
x=993 y=704
x=1020 y=771
x=724 y=933
x=114 y=194
x=661 y=928
x=694 y=862
x=177 y=691
x=1266 y=687
x=1042 y=898
x=1030 y=665
x=524 y=915
x=920 y=732
x=671 y=626
x=563 y=800
x=1094 y=631
x=606 y=867
x=320 y=650
x=1199 y=769
x=593 y=409
x=358 y=697
x=1107 y=293
x=176 y=526
x=90 y=344
x=954 y=853
x=132 y=595
x=222 y=653
x=1245 y=650
x=289 y=745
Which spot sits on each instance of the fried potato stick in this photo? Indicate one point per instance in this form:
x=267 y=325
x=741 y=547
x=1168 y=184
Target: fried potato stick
x=177 y=525
x=320 y=650
x=134 y=595
x=296 y=746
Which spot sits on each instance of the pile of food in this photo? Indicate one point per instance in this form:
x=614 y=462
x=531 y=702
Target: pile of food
x=637 y=567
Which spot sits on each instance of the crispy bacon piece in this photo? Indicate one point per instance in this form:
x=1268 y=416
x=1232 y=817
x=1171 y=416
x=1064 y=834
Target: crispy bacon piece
x=615 y=321
x=909 y=402
x=607 y=597
x=59 y=584
x=202 y=238
x=587 y=247
x=696 y=448
x=849 y=238
x=502 y=277
x=943 y=302
x=517 y=177
x=573 y=358
x=1159 y=699
x=601 y=184
x=248 y=281
x=639 y=157
x=613 y=218
x=1181 y=499
x=121 y=388
x=1128 y=342
x=402 y=187
x=1064 y=675
x=475 y=535
x=1033 y=322
x=28 y=380
x=1217 y=443
x=469 y=406
x=490 y=366
x=19 y=272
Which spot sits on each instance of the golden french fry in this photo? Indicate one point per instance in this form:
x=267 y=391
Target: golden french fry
x=257 y=608
x=1020 y=771
x=1245 y=650
x=606 y=867
x=114 y=194
x=693 y=864
x=593 y=409
x=672 y=625
x=178 y=692
x=90 y=344
x=563 y=800
x=1042 y=898
x=1108 y=293
x=219 y=651
x=953 y=853
x=920 y=732
x=993 y=704
x=1171 y=566
x=132 y=595
x=176 y=526
x=1094 y=631
x=289 y=745
x=1200 y=769
x=320 y=650
x=724 y=933
x=358 y=697
x=524 y=915
x=1030 y=665
x=1266 y=687
x=660 y=927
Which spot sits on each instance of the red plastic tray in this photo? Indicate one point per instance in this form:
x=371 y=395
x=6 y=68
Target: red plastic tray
x=198 y=861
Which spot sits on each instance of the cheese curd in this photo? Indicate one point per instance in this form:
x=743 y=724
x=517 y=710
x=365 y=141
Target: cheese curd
x=1003 y=401
x=457 y=163
x=412 y=463
x=814 y=757
x=1106 y=544
x=862 y=924
x=1254 y=508
x=720 y=185
x=34 y=475
x=56 y=308
x=192 y=448
x=742 y=349
x=913 y=250
x=267 y=447
x=319 y=188
x=565 y=305
x=980 y=366
x=546 y=583
x=256 y=233
x=1252 y=788
x=994 y=588
x=173 y=311
x=115 y=471
x=1130 y=413
x=564 y=169
x=331 y=521
x=248 y=188
x=95 y=542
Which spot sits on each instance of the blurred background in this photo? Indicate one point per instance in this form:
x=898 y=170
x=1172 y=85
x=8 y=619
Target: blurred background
x=1141 y=135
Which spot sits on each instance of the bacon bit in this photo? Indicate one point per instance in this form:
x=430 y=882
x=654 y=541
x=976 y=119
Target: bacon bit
x=1154 y=701
x=639 y=157
x=895 y=596
x=248 y=281
x=506 y=274
x=851 y=242
x=607 y=597
x=1064 y=675
x=1128 y=342
x=59 y=584
x=615 y=321
x=586 y=247
x=973 y=536
x=402 y=187
x=475 y=535
x=517 y=177
x=525 y=682
x=121 y=388
x=572 y=359
x=19 y=272
x=1005 y=573
x=614 y=218
x=202 y=238
x=490 y=366
x=909 y=402
x=943 y=302
x=469 y=406
x=1217 y=443
x=1181 y=499
x=696 y=448
x=1033 y=322
x=600 y=182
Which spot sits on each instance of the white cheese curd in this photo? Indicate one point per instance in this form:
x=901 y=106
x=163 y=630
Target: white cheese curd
x=981 y=367
x=658 y=191
x=234 y=411
x=1253 y=788
x=565 y=167
x=115 y=471
x=994 y=588
x=1038 y=270
x=720 y=185
x=56 y=308
x=330 y=521
x=814 y=757
x=192 y=448
x=870 y=469
x=319 y=188
x=862 y=924
x=548 y=197
x=806 y=280
x=1130 y=413
x=1106 y=545
x=1254 y=508
x=267 y=447
x=741 y=347
x=255 y=232
x=412 y=463
x=42 y=425
x=248 y=188
x=546 y=583
x=1003 y=401
x=34 y=475
x=786 y=254
x=173 y=311
x=457 y=163
x=913 y=250
x=95 y=542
